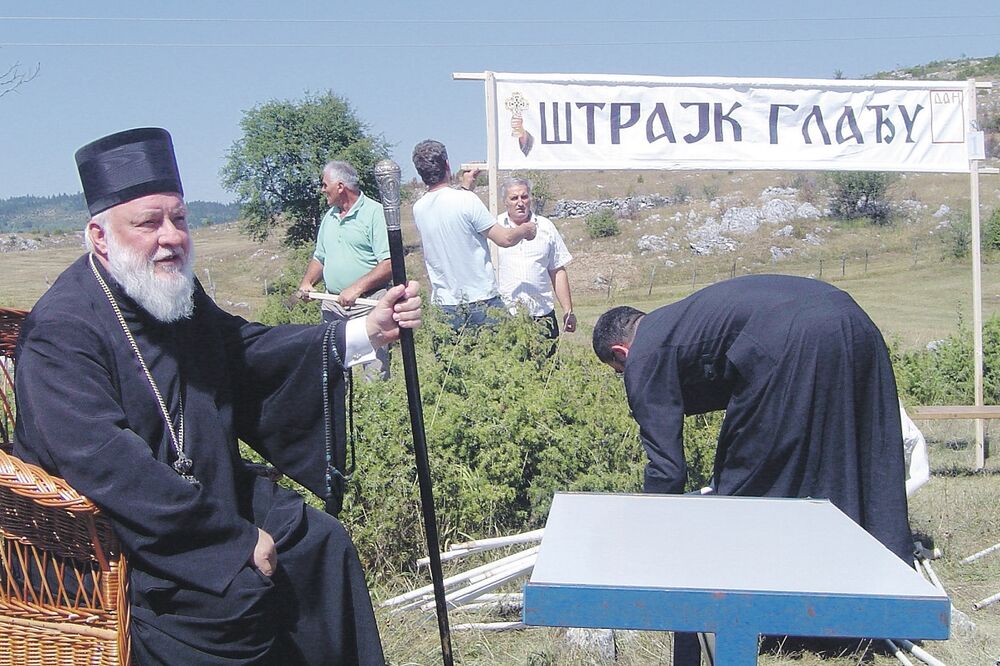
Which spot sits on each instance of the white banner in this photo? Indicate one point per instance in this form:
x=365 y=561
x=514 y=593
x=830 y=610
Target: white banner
x=556 y=121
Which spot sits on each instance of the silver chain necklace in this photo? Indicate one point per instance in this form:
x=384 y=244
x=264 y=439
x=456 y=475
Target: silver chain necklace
x=183 y=465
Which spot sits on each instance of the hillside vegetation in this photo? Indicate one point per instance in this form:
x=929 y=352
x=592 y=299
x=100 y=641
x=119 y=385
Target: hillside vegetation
x=68 y=212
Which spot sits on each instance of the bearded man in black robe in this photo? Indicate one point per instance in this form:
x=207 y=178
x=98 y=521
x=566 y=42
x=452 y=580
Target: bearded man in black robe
x=806 y=381
x=134 y=386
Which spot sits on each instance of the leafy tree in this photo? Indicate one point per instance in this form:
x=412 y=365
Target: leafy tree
x=862 y=194
x=275 y=168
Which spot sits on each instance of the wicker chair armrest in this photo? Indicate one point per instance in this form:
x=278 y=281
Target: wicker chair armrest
x=10 y=327
x=42 y=509
x=33 y=482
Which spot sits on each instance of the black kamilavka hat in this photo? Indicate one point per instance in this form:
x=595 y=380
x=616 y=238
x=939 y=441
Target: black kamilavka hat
x=127 y=165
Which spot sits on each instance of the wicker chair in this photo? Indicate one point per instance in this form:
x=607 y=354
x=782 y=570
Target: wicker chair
x=10 y=327
x=63 y=579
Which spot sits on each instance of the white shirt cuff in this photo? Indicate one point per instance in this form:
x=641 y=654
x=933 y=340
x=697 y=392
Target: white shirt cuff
x=357 y=347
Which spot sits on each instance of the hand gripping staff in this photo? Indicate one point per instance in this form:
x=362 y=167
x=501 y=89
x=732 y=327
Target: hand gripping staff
x=387 y=176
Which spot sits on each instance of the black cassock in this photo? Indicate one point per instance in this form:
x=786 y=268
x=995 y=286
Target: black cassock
x=86 y=412
x=807 y=385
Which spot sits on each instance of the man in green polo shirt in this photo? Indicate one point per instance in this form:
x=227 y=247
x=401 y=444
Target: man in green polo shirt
x=352 y=252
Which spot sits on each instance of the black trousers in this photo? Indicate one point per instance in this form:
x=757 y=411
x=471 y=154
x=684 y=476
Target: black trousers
x=314 y=610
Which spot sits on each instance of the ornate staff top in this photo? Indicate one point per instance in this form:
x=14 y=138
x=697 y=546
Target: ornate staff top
x=387 y=177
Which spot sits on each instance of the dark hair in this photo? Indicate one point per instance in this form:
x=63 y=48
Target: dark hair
x=431 y=161
x=614 y=327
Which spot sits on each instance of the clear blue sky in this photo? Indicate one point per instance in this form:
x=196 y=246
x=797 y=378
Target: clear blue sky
x=195 y=67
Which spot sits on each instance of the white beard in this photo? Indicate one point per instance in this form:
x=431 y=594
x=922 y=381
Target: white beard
x=168 y=297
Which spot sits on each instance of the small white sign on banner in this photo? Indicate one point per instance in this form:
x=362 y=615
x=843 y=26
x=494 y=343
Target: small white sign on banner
x=556 y=121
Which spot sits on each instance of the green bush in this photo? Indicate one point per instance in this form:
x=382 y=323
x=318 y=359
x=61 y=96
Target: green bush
x=991 y=231
x=862 y=194
x=602 y=224
x=506 y=427
x=944 y=375
x=957 y=238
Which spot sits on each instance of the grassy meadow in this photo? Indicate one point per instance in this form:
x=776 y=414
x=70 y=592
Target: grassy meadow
x=905 y=275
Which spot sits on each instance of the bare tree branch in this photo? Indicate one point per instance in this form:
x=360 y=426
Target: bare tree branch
x=15 y=77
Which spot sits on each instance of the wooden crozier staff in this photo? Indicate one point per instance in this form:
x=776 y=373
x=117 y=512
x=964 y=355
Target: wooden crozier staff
x=387 y=176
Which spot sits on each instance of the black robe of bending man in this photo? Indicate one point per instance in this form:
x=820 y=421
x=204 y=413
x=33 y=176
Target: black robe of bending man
x=86 y=412
x=807 y=385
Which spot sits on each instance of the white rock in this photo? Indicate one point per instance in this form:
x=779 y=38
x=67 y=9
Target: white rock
x=778 y=253
x=651 y=243
x=806 y=211
x=600 y=643
x=741 y=220
x=777 y=210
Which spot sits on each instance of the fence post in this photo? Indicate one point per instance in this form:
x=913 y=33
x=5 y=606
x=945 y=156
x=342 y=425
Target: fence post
x=211 y=284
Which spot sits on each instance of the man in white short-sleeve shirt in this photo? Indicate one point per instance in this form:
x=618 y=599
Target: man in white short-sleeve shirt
x=532 y=274
x=454 y=226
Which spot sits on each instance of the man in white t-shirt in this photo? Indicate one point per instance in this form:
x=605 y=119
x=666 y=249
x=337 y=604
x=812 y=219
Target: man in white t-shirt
x=532 y=274
x=454 y=226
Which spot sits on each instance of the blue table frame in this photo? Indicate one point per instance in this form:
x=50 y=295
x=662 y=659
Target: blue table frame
x=735 y=567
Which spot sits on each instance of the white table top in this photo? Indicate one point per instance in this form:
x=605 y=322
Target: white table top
x=717 y=543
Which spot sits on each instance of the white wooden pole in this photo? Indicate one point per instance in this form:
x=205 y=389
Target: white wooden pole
x=503 y=597
x=499 y=542
x=459 y=550
x=988 y=601
x=461 y=577
x=977 y=281
x=492 y=141
x=489 y=626
x=932 y=575
x=448 y=555
x=896 y=652
x=490 y=582
x=982 y=553
x=494 y=605
x=920 y=653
